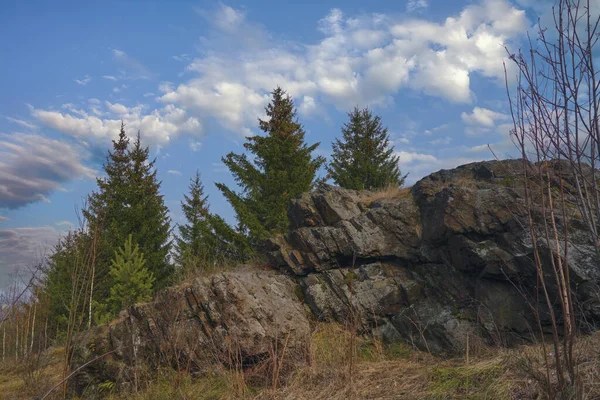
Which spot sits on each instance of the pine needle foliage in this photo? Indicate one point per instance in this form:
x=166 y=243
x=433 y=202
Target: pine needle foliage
x=363 y=158
x=280 y=167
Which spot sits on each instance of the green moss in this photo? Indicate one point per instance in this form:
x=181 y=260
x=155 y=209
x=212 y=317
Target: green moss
x=398 y=351
x=350 y=277
x=476 y=382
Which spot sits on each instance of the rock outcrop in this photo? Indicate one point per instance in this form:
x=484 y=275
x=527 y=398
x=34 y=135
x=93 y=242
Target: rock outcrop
x=230 y=318
x=429 y=265
x=448 y=258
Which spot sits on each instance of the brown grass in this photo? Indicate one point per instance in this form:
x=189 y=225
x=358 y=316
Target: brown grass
x=31 y=378
x=379 y=372
x=390 y=192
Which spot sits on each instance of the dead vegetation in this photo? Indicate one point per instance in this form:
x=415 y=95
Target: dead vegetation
x=378 y=371
x=390 y=192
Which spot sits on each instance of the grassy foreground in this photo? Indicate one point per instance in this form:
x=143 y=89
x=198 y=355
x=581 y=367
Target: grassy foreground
x=342 y=366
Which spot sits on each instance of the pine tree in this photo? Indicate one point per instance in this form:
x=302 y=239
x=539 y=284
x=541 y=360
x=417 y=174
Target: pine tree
x=132 y=280
x=364 y=159
x=146 y=216
x=283 y=168
x=105 y=211
x=194 y=244
x=128 y=201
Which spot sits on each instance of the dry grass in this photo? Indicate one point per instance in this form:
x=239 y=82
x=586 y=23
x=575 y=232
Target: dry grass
x=379 y=372
x=390 y=192
x=31 y=378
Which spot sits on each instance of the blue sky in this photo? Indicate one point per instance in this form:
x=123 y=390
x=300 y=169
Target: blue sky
x=194 y=77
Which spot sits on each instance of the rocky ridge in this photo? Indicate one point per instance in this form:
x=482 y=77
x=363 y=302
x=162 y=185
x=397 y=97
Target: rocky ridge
x=430 y=265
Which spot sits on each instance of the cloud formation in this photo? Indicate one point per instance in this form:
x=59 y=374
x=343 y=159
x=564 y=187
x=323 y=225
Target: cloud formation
x=359 y=60
x=22 y=248
x=83 y=81
x=32 y=167
x=98 y=124
x=362 y=60
x=22 y=123
x=482 y=120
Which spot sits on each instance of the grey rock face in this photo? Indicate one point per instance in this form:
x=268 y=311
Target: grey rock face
x=227 y=318
x=449 y=258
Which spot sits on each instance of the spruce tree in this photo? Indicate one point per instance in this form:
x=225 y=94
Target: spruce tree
x=364 y=159
x=282 y=169
x=146 y=216
x=105 y=211
x=194 y=244
x=128 y=201
x=132 y=280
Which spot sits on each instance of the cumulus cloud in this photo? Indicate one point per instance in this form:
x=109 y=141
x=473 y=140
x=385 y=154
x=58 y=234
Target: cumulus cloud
x=366 y=60
x=483 y=120
x=100 y=126
x=418 y=165
x=32 y=167
x=405 y=157
x=482 y=117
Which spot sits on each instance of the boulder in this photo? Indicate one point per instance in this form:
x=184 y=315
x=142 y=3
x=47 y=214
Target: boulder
x=232 y=318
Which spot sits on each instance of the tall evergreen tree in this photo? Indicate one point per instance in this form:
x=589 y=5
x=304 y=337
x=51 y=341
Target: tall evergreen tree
x=282 y=169
x=147 y=216
x=105 y=211
x=128 y=201
x=363 y=158
x=194 y=242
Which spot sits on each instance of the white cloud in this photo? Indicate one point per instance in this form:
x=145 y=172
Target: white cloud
x=308 y=105
x=195 y=145
x=363 y=60
x=22 y=123
x=83 y=81
x=149 y=94
x=182 y=57
x=445 y=141
x=482 y=120
x=32 y=167
x=2 y=219
x=439 y=128
x=174 y=172
x=413 y=5
x=157 y=126
x=110 y=77
x=117 y=89
x=65 y=224
x=482 y=117
x=405 y=157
